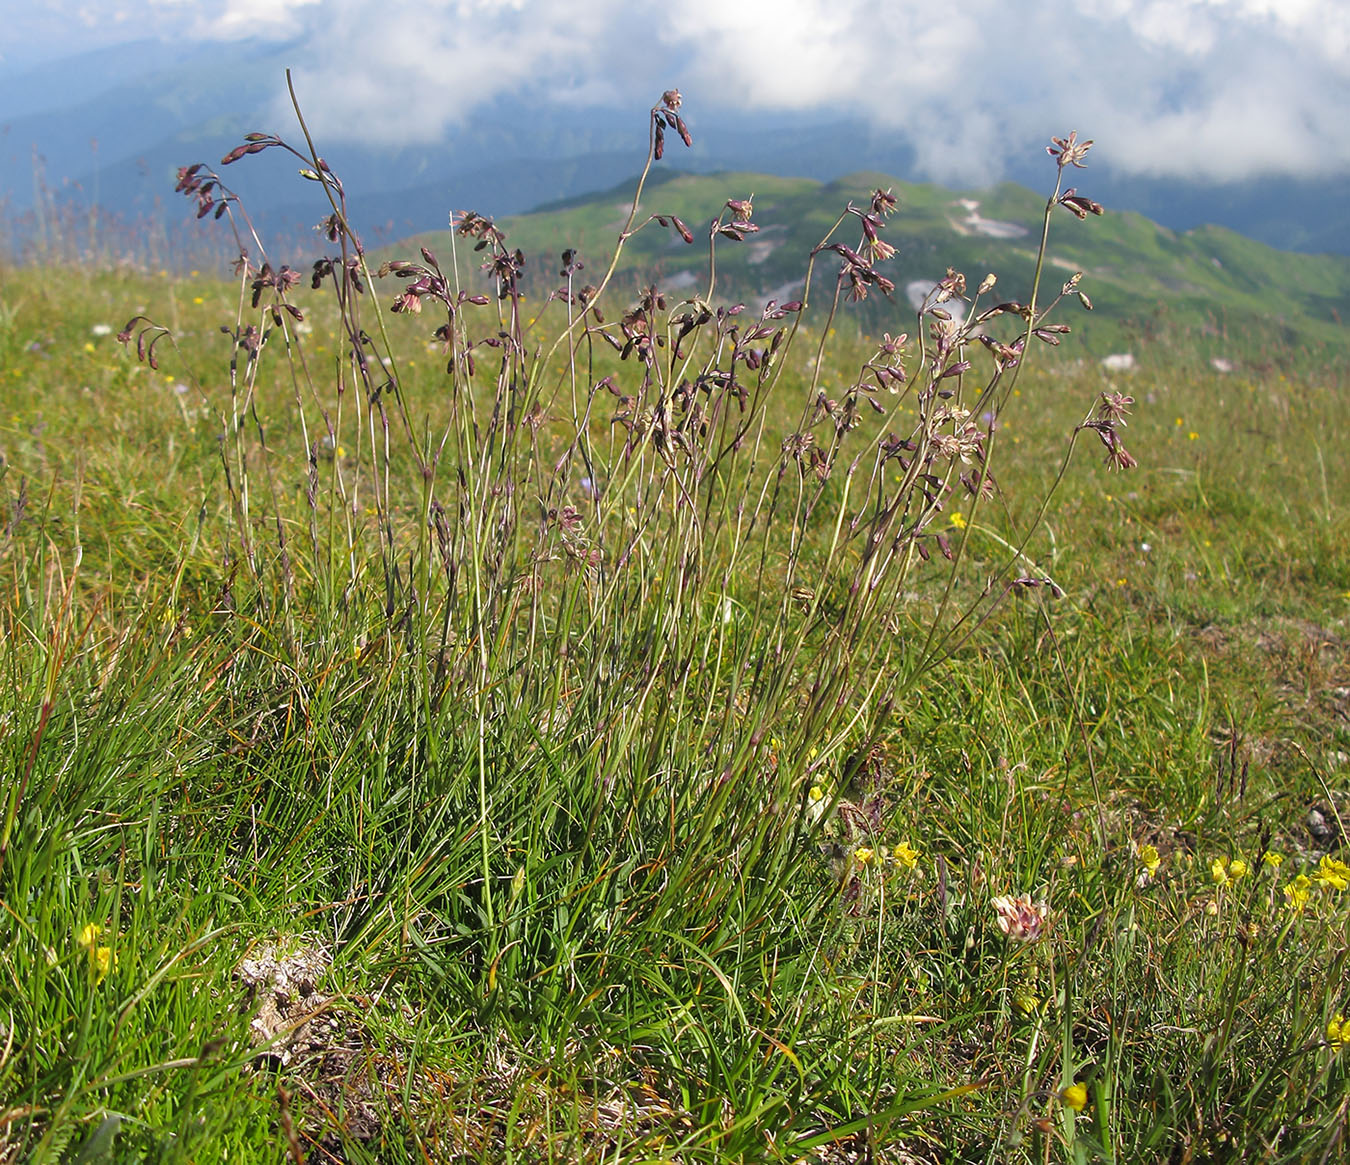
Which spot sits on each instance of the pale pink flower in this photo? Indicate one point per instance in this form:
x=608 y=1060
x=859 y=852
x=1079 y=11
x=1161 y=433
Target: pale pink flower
x=1021 y=919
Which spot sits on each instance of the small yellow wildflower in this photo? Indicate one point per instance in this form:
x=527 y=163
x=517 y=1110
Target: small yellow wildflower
x=862 y=855
x=198 y=300
x=1150 y=859
x=905 y=856
x=1192 y=435
x=1272 y=859
x=1236 y=869
x=958 y=519
x=1027 y=1001
x=817 y=801
x=1331 y=874
x=101 y=959
x=1074 y=1097
x=1296 y=894
x=1338 y=1032
x=1218 y=870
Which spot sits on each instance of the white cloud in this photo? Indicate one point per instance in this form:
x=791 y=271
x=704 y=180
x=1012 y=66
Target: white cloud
x=1210 y=88
x=234 y=19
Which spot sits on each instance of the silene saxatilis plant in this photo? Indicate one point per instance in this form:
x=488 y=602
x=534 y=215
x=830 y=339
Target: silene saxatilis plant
x=640 y=597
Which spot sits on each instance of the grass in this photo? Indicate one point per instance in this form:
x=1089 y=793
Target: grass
x=539 y=760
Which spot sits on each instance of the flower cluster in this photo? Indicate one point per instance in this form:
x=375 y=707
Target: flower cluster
x=101 y=958
x=902 y=857
x=1331 y=877
x=1021 y=919
x=1225 y=872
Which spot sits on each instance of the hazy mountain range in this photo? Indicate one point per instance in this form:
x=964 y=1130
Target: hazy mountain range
x=112 y=126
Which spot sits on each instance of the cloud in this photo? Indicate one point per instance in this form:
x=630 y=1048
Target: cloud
x=235 y=19
x=1218 y=90
x=1211 y=89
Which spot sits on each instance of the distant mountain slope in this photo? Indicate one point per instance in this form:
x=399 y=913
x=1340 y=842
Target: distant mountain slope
x=1240 y=292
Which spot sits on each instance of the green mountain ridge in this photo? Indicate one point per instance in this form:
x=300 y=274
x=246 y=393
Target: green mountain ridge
x=1240 y=294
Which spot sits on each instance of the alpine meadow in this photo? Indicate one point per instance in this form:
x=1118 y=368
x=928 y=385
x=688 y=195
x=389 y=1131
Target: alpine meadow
x=732 y=668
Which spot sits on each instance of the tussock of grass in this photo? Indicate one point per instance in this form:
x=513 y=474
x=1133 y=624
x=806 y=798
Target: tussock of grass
x=545 y=758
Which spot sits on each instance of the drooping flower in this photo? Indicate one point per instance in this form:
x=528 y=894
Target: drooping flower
x=1218 y=870
x=1021 y=919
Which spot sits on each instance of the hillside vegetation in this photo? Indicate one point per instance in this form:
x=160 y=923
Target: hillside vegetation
x=1239 y=298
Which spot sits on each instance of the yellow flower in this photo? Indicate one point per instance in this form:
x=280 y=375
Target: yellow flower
x=905 y=856
x=1272 y=859
x=1150 y=859
x=1074 y=1097
x=1331 y=874
x=958 y=519
x=817 y=800
x=1236 y=869
x=1026 y=1001
x=101 y=959
x=1218 y=870
x=1296 y=894
x=863 y=855
x=1338 y=1032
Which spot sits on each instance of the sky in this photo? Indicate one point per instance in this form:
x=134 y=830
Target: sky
x=1206 y=89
